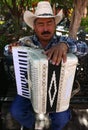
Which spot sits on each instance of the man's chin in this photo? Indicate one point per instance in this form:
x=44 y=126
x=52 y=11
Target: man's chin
x=47 y=36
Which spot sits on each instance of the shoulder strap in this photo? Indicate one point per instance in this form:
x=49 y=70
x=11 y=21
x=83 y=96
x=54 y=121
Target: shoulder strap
x=27 y=41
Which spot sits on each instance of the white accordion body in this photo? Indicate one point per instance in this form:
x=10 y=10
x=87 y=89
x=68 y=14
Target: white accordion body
x=48 y=86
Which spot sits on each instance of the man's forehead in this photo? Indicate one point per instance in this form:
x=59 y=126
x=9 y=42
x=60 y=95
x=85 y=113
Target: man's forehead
x=44 y=19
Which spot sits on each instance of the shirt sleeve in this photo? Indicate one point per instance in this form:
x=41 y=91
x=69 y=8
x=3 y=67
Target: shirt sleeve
x=21 y=41
x=79 y=48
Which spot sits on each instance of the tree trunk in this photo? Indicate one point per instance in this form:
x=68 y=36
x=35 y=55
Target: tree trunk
x=79 y=6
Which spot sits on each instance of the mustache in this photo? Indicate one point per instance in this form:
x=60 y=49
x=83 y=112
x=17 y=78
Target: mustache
x=45 y=32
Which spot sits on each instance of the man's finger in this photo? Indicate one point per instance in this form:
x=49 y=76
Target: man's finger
x=64 y=57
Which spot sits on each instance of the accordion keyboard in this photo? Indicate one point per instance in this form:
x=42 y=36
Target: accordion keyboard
x=20 y=67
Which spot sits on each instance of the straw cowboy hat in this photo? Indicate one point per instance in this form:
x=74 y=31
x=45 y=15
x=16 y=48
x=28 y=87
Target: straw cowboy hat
x=43 y=10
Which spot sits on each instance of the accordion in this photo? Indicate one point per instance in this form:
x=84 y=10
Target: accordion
x=48 y=86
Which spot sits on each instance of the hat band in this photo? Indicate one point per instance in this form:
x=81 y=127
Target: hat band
x=45 y=14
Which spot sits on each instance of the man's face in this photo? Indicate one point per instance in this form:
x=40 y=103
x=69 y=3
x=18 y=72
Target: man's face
x=44 y=28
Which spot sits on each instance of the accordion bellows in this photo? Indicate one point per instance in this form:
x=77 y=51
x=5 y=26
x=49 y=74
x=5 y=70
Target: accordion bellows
x=48 y=86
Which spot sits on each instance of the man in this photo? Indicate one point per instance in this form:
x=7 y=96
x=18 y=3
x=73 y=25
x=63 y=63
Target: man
x=44 y=22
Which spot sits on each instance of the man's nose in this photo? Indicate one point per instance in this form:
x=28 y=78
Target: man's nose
x=45 y=27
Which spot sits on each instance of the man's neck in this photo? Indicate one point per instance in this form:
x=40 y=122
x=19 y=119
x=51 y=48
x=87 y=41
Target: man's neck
x=44 y=43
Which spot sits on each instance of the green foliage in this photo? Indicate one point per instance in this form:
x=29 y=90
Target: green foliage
x=3 y=41
x=1 y=22
x=84 y=23
x=63 y=3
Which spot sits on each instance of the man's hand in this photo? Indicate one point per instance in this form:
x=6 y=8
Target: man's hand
x=57 y=53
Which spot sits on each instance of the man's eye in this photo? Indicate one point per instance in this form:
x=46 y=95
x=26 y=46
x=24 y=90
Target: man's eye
x=40 y=24
x=50 y=23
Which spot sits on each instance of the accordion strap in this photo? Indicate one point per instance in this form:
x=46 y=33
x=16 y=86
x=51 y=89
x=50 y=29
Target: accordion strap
x=27 y=41
x=75 y=91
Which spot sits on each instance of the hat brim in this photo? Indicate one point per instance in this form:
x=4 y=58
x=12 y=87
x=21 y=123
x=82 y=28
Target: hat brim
x=29 y=17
